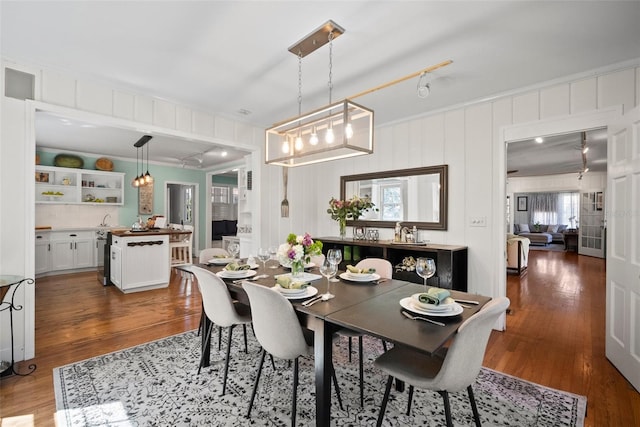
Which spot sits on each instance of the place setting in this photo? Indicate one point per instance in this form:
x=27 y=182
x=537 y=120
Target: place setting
x=234 y=270
x=361 y=275
x=294 y=288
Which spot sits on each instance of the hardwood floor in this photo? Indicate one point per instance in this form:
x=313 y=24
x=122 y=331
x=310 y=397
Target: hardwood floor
x=554 y=336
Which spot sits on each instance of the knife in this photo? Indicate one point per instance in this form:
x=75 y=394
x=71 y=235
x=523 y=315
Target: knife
x=467 y=301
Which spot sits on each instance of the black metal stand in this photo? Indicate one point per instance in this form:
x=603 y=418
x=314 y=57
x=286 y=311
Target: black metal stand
x=11 y=306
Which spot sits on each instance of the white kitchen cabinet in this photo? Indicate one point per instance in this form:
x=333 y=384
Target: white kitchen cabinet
x=72 y=249
x=116 y=266
x=42 y=253
x=78 y=186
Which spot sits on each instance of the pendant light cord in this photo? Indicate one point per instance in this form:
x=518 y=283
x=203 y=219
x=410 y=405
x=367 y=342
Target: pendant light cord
x=330 y=84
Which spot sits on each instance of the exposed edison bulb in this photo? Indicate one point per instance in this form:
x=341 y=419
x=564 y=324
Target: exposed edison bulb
x=313 y=140
x=298 y=144
x=148 y=179
x=348 y=131
x=134 y=183
x=584 y=150
x=329 y=137
x=285 y=146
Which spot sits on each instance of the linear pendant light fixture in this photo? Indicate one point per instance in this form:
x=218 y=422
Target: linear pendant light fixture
x=335 y=131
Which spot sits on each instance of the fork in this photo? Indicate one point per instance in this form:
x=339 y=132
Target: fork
x=409 y=316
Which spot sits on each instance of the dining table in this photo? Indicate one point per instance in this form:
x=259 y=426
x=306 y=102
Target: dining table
x=370 y=307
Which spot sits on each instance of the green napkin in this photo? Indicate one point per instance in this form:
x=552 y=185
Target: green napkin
x=434 y=296
x=287 y=282
x=234 y=266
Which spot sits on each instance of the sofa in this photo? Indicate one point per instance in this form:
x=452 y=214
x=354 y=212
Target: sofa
x=223 y=227
x=542 y=233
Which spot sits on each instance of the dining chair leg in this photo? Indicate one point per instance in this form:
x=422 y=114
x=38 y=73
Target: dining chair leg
x=207 y=343
x=385 y=399
x=361 y=366
x=244 y=332
x=273 y=363
x=447 y=407
x=219 y=338
x=410 y=400
x=384 y=345
x=295 y=393
x=474 y=407
x=226 y=362
x=201 y=324
x=335 y=385
x=349 y=349
x=255 y=384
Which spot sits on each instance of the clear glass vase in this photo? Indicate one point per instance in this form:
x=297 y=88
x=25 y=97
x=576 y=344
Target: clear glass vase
x=343 y=227
x=297 y=268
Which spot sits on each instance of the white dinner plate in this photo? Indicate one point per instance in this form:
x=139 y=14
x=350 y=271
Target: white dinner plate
x=443 y=306
x=407 y=304
x=370 y=278
x=220 y=261
x=309 y=291
x=242 y=274
x=303 y=277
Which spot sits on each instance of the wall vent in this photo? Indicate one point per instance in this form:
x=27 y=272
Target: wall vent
x=18 y=84
x=249 y=180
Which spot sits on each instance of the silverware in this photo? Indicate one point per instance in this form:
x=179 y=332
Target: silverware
x=467 y=301
x=409 y=316
x=312 y=301
x=259 y=276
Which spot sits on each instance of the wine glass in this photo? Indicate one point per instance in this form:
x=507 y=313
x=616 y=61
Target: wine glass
x=234 y=249
x=273 y=251
x=328 y=269
x=334 y=256
x=264 y=255
x=426 y=268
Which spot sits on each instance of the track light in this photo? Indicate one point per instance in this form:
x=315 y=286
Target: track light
x=424 y=87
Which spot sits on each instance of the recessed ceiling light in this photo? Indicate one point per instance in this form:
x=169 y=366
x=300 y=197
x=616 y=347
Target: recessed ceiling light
x=539 y=140
x=244 y=112
x=223 y=154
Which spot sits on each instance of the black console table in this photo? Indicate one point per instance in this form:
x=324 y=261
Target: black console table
x=451 y=260
x=9 y=284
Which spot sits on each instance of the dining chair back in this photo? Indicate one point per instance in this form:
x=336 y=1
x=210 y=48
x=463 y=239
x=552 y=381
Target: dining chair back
x=452 y=369
x=278 y=331
x=207 y=254
x=180 y=246
x=221 y=310
x=383 y=267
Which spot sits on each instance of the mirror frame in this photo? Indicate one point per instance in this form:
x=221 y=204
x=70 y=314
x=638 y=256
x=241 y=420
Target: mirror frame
x=441 y=170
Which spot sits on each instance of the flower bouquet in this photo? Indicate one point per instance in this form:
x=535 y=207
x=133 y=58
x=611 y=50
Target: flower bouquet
x=342 y=210
x=297 y=251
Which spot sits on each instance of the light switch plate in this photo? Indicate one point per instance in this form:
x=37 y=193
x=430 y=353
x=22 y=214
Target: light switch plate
x=478 y=221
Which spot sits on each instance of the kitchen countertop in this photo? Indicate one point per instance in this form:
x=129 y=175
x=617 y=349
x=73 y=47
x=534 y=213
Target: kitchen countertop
x=151 y=232
x=40 y=229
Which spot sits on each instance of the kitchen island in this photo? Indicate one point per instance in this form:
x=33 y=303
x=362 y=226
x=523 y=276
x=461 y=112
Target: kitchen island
x=140 y=260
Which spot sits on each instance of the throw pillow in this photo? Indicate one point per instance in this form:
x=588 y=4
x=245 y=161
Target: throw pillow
x=524 y=228
x=562 y=227
x=552 y=229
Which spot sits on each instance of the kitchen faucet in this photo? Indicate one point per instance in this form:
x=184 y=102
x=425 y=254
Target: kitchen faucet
x=103 y=223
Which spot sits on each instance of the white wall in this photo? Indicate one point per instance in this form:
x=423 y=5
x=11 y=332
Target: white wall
x=467 y=138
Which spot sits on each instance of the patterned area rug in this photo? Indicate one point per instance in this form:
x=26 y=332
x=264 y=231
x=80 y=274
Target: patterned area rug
x=156 y=384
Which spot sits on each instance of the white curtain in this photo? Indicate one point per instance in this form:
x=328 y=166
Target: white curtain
x=553 y=208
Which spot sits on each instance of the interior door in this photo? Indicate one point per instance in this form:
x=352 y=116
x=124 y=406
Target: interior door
x=623 y=247
x=591 y=237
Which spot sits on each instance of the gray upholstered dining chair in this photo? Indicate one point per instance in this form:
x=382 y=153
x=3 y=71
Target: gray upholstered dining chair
x=452 y=369
x=221 y=310
x=384 y=269
x=286 y=341
x=208 y=253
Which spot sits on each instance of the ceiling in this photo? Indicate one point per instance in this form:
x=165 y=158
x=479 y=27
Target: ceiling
x=231 y=57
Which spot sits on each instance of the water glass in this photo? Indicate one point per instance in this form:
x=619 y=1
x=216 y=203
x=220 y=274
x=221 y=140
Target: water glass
x=328 y=269
x=426 y=268
x=334 y=256
x=273 y=251
x=263 y=255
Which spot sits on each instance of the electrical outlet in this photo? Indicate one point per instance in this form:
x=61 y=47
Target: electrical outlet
x=478 y=221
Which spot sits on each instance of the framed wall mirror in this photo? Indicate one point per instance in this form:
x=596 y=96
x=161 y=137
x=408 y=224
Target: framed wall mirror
x=417 y=196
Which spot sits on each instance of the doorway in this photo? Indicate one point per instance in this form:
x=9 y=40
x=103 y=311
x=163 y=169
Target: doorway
x=181 y=206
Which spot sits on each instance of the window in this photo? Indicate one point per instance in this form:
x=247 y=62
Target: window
x=392 y=203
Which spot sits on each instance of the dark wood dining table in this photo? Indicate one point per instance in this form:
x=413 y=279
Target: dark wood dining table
x=368 y=307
